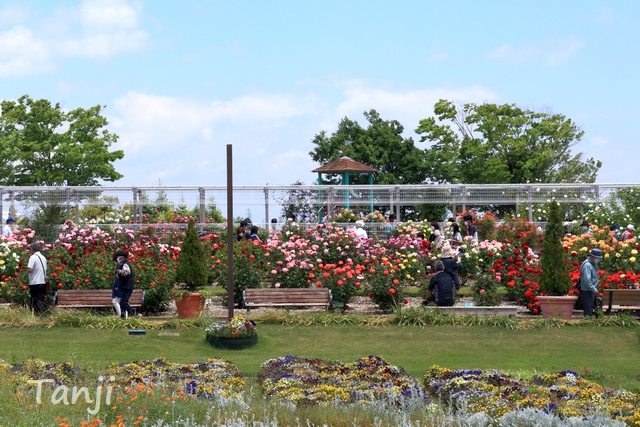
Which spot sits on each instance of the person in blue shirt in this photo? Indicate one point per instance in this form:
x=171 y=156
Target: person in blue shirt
x=589 y=280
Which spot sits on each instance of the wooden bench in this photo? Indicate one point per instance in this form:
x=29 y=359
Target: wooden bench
x=481 y=311
x=92 y=298
x=620 y=299
x=289 y=297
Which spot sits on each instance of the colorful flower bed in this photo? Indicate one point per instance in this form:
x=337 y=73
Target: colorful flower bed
x=369 y=381
x=310 y=382
x=565 y=394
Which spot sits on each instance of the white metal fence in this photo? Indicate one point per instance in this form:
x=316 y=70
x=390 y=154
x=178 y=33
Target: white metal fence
x=261 y=203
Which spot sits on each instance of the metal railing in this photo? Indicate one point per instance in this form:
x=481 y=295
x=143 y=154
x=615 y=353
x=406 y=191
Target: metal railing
x=137 y=204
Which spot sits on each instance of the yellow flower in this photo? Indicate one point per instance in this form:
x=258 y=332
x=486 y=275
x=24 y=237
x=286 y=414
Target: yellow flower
x=618 y=255
x=632 y=259
x=583 y=249
x=634 y=252
x=606 y=255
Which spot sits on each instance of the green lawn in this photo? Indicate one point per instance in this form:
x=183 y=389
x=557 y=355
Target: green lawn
x=607 y=355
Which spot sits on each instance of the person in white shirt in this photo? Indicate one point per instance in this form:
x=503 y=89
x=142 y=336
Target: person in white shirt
x=360 y=232
x=37 y=272
x=7 y=230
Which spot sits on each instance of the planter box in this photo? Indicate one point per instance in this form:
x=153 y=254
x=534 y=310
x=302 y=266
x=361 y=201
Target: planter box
x=232 y=343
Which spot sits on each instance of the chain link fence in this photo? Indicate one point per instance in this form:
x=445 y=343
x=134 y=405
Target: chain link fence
x=138 y=206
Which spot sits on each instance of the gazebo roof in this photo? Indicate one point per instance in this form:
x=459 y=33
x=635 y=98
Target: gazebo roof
x=345 y=164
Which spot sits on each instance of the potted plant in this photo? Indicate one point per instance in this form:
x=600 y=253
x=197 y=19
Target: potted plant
x=237 y=333
x=555 y=280
x=191 y=272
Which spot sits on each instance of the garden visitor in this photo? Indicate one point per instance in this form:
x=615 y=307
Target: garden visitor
x=254 y=234
x=436 y=235
x=628 y=233
x=456 y=237
x=7 y=230
x=37 y=272
x=472 y=230
x=589 y=280
x=441 y=285
x=615 y=230
x=389 y=226
x=273 y=228
x=123 y=283
x=241 y=231
x=452 y=264
x=586 y=228
x=360 y=232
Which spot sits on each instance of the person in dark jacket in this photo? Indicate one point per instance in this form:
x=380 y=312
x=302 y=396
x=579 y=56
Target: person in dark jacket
x=123 y=283
x=451 y=263
x=441 y=284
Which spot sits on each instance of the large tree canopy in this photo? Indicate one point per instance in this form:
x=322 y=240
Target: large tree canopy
x=41 y=145
x=381 y=145
x=489 y=144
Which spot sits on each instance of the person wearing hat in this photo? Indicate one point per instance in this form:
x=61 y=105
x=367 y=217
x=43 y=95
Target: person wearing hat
x=628 y=233
x=589 y=280
x=451 y=263
x=7 y=230
x=586 y=229
x=123 y=285
x=360 y=232
x=615 y=231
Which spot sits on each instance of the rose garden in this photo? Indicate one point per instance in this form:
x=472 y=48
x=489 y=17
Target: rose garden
x=504 y=266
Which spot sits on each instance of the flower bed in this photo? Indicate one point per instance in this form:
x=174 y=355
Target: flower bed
x=307 y=382
x=565 y=394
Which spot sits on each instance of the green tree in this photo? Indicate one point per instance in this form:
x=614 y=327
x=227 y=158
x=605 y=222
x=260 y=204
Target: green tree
x=42 y=145
x=192 y=268
x=502 y=144
x=380 y=145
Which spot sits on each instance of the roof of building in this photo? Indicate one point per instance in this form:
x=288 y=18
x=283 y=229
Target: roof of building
x=345 y=164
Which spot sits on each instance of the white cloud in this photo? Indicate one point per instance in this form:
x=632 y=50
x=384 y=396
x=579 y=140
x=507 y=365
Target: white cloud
x=551 y=52
x=599 y=141
x=22 y=53
x=96 y=29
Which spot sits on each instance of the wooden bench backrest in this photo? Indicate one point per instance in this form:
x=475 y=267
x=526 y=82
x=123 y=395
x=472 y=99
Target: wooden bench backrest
x=621 y=297
x=88 y=298
x=284 y=297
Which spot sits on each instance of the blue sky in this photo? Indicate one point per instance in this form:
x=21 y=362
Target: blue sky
x=182 y=79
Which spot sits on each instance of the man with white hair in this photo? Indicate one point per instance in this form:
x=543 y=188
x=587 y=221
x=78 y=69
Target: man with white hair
x=360 y=232
x=628 y=233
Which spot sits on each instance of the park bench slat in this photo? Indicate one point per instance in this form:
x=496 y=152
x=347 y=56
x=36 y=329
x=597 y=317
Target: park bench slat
x=620 y=299
x=92 y=298
x=299 y=297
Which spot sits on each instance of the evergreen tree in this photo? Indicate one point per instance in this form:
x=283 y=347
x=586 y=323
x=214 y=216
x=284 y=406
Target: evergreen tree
x=555 y=278
x=192 y=265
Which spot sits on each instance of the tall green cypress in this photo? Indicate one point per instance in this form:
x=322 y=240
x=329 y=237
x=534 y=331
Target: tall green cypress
x=555 y=278
x=192 y=265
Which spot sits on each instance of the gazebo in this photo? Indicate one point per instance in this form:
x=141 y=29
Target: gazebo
x=345 y=166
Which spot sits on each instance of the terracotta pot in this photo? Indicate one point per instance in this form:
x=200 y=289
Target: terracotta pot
x=189 y=305
x=232 y=343
x=559 y=307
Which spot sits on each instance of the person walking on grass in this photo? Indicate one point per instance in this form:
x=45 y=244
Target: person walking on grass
x=123 y=285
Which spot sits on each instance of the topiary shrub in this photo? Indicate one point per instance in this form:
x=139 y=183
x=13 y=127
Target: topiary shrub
x=192 y=268
x=555 y=279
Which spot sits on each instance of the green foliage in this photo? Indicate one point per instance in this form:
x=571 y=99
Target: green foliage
x=485 y=290
x=380 y=145
x=555 y=278
x=248 y=263
x=192 y=268
x=489 y=143
x=384 y=285
x=36 y=151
